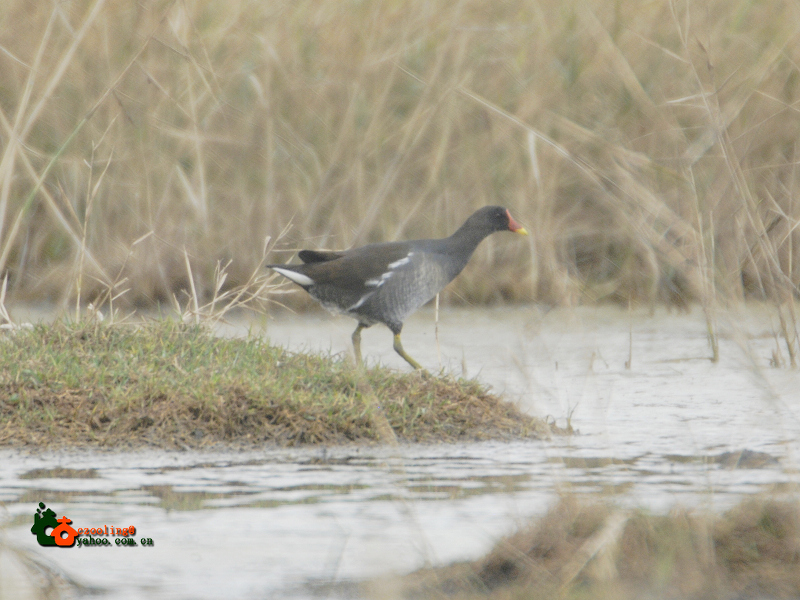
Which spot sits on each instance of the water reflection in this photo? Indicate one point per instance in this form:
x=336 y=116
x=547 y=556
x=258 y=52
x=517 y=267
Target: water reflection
x=659 y=423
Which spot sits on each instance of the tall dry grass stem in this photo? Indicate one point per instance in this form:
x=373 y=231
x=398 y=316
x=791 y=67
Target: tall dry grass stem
x=650 y=147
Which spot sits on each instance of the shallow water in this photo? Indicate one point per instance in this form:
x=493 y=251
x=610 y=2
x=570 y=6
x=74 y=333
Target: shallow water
x=276 y=522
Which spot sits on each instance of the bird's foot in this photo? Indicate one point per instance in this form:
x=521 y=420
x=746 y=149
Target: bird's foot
x=398 y=347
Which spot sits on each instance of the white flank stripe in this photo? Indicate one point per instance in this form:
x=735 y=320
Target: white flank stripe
x=361 y=301
x=376 y=283
x=298 y=278
x=401 y=262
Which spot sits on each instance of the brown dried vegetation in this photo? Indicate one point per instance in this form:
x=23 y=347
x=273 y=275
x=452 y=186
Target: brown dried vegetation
x=593 y=550
x=651 y=147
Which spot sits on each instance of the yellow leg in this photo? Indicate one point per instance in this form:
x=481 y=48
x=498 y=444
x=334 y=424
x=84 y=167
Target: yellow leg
x=398 y=347
x=357 y=343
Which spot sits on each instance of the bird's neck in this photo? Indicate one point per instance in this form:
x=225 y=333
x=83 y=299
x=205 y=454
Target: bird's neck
x=460 y=247
x=466 y=239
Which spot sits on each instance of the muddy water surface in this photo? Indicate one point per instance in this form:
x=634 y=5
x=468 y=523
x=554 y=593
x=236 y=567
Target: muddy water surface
x=659 y=424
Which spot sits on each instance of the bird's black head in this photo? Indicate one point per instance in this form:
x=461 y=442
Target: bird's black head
x=494 y=218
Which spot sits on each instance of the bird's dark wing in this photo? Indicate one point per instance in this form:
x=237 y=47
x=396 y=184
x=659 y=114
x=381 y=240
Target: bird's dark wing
x=361 y=268
x=349 y=281
x=319 y=256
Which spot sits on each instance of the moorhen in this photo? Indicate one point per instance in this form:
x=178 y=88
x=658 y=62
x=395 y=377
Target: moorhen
x=385 y=283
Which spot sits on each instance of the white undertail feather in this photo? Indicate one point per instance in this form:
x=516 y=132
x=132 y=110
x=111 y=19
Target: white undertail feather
x=298 y=278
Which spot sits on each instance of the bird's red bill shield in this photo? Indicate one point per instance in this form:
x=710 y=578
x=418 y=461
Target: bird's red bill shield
x=514 y=226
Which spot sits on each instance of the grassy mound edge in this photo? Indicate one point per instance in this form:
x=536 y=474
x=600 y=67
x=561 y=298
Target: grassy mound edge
x=170 y=385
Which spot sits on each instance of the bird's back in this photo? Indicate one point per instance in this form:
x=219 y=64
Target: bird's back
x=380 y=283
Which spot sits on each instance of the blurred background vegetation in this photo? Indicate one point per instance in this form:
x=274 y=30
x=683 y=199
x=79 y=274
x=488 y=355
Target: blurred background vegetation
x=649 y=147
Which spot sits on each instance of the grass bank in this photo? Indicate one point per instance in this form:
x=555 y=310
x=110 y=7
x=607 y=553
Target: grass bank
x=582 y=550
x=650 y=147
x=174 y=386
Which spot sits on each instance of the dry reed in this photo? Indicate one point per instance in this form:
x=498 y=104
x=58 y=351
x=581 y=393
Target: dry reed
x=650 y=147
x=582 y=549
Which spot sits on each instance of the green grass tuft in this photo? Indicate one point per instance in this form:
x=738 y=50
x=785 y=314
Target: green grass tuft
x=172 y=385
